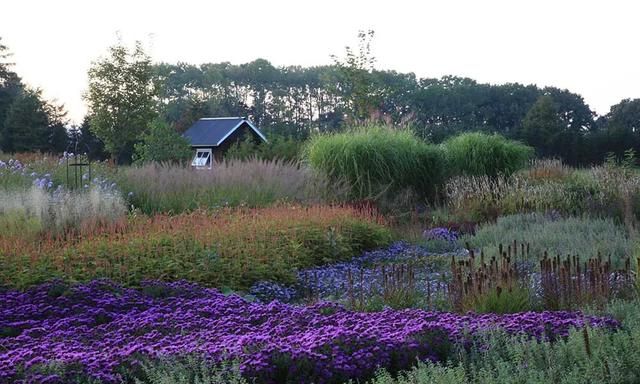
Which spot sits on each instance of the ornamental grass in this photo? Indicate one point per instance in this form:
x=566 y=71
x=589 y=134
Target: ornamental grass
x=253 y=182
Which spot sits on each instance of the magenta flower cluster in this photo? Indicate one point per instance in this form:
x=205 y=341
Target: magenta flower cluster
x=101 y=330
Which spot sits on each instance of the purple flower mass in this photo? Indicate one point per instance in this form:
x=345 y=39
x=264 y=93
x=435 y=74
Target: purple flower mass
x=100 y=327
x=331 y=281
x=440 y=233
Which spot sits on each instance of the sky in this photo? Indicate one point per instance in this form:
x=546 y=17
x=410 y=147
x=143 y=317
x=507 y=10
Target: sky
x=589 y=47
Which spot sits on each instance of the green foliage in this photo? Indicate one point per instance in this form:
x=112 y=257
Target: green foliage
x=10 y=88
x=481 y=154
x=440 y=245
x=356 y=71
x=85 y=142
x=376 y=160
x=27 y=122
x=565 y=236
x=162 y=144
x=189 y=370
x=121 y=98
x=33 y=124
x=305 y=100
x=278 y=147
x=15 y=222
x=424 y=373
x=504 y=301
x=542 y=127
x=67 y=372
x=618 y=130
x=604 y=191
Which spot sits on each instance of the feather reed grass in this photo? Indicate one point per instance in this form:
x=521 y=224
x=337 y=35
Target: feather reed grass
x=254 y=183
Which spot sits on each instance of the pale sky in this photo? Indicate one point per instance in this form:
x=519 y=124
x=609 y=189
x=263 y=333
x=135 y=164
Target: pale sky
x=590 y=47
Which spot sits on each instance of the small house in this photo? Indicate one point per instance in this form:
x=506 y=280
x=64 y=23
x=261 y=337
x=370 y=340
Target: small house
x=211 y=138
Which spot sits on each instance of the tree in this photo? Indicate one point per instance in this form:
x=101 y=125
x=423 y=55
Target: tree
x=619 y=130
x=121 y=99
x=6 y=74
x=162 y=144
x=57 y=136
x=625 y=114
x=358 y=85
x=542 y=127
x=26 y=124
x=296 y=101
x=83 y=141
x=10 y=87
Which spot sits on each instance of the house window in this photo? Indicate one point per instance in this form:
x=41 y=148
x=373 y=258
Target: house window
x=202 y=159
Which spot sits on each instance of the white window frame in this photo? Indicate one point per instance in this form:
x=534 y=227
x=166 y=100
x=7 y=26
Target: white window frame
x=203 y=158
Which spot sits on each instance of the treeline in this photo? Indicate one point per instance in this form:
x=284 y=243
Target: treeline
x=297 y=101
x=291 y=103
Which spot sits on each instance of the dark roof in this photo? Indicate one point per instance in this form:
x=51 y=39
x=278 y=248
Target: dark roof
x=214 y=130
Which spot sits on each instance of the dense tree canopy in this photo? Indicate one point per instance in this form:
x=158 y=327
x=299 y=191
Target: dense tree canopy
x=121 y=99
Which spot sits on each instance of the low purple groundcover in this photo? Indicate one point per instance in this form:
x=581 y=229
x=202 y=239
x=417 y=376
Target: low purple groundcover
x=98 y=328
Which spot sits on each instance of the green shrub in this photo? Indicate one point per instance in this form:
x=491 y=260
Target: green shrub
x=277 y=148
x=505 y=301
x=424 y=373
x=566 y=236
x=609 y=191
x=481 y=154
x=189 y=370
x=162 y=144
x=376 y=160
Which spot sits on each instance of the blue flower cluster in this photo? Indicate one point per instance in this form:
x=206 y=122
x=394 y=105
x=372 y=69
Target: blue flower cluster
x=365 y=273
x=43 y=182
x=16 y=167
x=13 y=166
x=440 y=233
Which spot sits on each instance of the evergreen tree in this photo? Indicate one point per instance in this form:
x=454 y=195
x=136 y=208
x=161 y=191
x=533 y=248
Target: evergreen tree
x=83 y=141
x=26 y=124
x=10 y=87
x=58 y=137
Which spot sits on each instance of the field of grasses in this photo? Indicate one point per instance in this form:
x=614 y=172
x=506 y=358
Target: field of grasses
x=320 y=270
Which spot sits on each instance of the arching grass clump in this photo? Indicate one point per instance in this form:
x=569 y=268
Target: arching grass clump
x=480 y=154
x=375 y=160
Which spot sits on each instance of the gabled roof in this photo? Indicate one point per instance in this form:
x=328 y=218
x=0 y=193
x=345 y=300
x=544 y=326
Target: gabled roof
x=212 y=131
